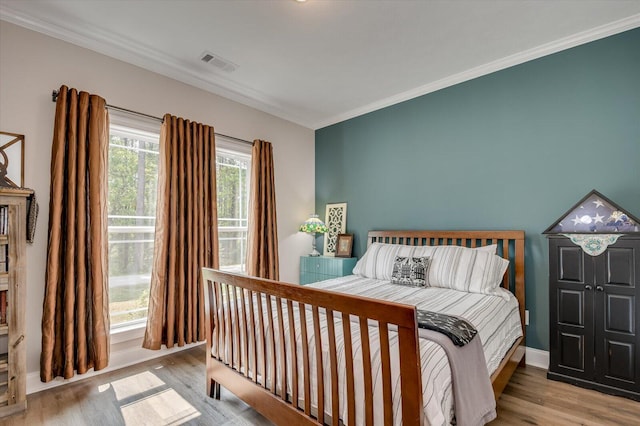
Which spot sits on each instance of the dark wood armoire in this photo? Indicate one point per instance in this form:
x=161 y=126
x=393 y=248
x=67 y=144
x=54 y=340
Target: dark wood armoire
x=594 y=322
x=594 y=298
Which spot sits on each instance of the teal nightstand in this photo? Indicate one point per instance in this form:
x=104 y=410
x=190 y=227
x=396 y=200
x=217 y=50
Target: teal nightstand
x=320 y=268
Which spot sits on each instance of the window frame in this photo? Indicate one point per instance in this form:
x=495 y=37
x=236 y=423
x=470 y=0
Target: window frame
x=149 y=128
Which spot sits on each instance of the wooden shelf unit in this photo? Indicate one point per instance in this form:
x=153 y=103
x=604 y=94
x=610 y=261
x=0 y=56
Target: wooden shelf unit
x=13 y=398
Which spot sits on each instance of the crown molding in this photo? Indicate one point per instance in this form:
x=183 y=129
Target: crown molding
x=146 y=57
x=151 y=59
x=491 y=67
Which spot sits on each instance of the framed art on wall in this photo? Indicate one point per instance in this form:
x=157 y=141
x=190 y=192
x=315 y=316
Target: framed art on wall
x=11 y=159
x=344 y=245
x=336 y=221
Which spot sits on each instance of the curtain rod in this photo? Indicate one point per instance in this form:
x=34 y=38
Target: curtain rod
x=54 y=96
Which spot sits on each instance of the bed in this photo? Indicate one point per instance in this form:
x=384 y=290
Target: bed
x=357 y=356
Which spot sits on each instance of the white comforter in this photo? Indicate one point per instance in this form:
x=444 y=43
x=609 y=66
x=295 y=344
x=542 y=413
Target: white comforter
x=496 y=319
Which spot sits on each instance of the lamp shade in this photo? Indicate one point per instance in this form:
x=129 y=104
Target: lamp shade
x=313 y=225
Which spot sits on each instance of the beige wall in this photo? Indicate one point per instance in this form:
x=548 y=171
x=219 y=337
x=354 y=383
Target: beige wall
x=32 y=64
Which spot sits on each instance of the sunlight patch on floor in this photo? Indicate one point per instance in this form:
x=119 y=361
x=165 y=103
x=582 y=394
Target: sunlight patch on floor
x=161 y=409
x=135 y=385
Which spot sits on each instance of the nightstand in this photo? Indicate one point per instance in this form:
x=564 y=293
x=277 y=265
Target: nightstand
x=320 y=268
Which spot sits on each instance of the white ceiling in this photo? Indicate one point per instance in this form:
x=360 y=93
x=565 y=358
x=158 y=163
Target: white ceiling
x=324 y=61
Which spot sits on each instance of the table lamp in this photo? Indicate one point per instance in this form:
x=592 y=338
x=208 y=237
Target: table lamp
x=312 y=226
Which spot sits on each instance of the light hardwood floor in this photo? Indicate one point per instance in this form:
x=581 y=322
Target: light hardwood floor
x=165 y=391
x=171 y=391
x=530 y=398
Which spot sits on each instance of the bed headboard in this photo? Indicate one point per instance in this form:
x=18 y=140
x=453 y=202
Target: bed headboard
x=510 y=246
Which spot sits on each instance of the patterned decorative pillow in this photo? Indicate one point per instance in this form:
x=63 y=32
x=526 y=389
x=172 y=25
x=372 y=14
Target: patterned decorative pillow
x=465 y=269
x=410 y=271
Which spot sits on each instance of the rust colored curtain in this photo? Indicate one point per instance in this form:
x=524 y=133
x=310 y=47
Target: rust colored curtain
x=75 y=318
x=186 y=233
x=262 y=244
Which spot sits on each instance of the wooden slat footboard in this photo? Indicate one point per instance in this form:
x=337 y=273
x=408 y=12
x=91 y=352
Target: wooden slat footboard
x=247 y=351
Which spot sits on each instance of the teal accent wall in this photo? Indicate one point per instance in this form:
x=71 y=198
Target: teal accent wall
x=514 y=149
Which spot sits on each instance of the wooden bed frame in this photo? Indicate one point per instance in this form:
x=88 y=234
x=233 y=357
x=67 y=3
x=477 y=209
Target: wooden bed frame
x=231 y=325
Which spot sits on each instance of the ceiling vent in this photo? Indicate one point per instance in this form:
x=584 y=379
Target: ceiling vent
x=218 y=62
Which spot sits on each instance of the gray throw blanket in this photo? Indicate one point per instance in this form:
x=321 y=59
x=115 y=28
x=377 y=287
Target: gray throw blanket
x=472 y=391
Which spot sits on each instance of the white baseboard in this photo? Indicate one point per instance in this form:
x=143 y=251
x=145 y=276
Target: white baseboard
x=120 y=359
x=537 y=358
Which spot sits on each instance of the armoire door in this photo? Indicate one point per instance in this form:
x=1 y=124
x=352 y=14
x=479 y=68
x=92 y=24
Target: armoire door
x=616 y=316
x=571 y=274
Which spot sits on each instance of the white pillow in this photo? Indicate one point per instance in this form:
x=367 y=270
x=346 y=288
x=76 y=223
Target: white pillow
x=464 y=269
x=493 y=248
x=377 y=262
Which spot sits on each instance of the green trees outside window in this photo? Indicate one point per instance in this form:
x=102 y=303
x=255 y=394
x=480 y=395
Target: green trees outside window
x=133 y=180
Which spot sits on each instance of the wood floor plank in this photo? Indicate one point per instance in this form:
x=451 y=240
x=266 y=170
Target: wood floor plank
x=169 y=391
x=531 y=399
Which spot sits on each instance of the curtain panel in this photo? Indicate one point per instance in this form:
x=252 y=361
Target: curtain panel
x=75 y=318
x=186 y=233
x=262 y=244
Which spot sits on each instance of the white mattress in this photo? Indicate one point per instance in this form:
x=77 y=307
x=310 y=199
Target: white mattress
x=497 y=320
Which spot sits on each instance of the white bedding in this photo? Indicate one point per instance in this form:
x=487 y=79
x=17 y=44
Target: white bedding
x=497 y=320
x=495 y=317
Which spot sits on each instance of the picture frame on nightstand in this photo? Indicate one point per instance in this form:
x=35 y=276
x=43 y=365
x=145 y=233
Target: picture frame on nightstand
x=344 y=245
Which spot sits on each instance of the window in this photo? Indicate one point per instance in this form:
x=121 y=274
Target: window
x=133 y=177
x=233 y=172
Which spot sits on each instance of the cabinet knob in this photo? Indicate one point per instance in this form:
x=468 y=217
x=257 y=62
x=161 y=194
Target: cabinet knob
x=599 y=288
x=588 y=287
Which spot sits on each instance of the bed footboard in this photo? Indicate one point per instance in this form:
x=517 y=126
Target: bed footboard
x=274 y=346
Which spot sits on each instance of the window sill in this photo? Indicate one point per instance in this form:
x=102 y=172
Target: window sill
x=127 y=333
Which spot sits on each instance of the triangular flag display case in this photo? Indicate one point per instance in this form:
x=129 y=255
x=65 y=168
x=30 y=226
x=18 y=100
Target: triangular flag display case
x=594 y=296
x=595 y=213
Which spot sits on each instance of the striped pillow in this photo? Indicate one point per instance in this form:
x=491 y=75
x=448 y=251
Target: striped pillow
x=476 y=270
x=465 y=269
x=378 y=260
